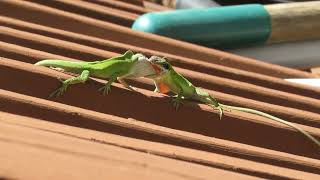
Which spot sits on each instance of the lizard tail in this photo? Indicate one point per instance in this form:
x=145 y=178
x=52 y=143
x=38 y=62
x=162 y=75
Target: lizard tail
x=310 y=137
x=48 y=62
x=63 y=64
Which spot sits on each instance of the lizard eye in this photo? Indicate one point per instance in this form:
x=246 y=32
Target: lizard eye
x=166 y=65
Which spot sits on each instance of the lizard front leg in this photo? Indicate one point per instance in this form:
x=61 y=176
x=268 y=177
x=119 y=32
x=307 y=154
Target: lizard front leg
x=125 y=84
x=178 y=99
x=82 y=78
x=215 y=104
x=205 y=97
x=107 y=87
x=157 y=88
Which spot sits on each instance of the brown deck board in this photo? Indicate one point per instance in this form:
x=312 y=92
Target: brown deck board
x=138 y=135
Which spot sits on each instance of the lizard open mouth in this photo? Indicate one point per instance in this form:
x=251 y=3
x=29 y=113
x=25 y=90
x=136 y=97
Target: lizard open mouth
x=156 y=68
x=157 y=65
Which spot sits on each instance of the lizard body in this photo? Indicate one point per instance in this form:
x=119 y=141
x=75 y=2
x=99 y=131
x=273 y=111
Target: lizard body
x=167 y=79
x=128 y=65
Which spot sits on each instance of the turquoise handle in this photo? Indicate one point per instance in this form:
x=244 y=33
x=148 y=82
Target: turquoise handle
x=219 y=27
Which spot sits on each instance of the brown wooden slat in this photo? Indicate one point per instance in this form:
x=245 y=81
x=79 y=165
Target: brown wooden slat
x=120 y=5
x=290 y=114
x=192 y=64
x=210 y=82
x=164 y=150
x=72 y=22
x=143 y=124
x=92 y=10
x=134 y=2
x=254 y=129
x=24 y=145
x=69 y=115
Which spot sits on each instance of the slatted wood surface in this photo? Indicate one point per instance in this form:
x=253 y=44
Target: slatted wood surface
x=130 y=135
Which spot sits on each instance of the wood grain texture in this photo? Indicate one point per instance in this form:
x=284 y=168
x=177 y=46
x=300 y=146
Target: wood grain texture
x=39 y=14
x=236 y=126
x=316 y=70
x=87 y=119
x=231 y=164
x=179 y=61
x=131 y=135
x=26 y=150
x=294 y=21
x=115 y=4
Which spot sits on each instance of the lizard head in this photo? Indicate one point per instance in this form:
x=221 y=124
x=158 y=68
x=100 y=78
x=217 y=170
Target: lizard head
x=160 y=65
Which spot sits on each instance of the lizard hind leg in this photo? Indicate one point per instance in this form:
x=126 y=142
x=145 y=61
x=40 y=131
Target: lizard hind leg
x=83 y=77
x=215 y=104
x=221 y=112
x=219 y=108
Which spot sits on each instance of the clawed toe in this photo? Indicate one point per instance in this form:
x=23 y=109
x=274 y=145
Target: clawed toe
x=59 y=92
x=105 y=90
x=176 y=103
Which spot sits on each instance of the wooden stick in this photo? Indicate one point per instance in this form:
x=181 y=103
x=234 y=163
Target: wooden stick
x=294 y=21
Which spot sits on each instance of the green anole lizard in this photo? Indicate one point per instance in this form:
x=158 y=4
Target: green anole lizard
x=128 y=65
x=167 y=79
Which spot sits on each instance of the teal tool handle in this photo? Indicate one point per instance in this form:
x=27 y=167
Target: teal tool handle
x=219 y=27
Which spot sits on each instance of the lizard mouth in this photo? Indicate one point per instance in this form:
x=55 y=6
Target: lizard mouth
x=156 y=71
x=156 y=68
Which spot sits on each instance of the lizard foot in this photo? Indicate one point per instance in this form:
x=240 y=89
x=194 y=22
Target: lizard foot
x=105 y=89
x=156 y=90
x=60 y=91
x=176 y=103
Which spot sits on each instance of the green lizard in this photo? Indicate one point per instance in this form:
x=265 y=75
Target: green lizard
x=128 y=65
x=167 y=79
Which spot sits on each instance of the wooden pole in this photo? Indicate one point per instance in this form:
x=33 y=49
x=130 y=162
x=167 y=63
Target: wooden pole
x=294 y=21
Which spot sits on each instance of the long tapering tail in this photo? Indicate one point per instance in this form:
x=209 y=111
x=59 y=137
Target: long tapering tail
x=70 y=66
x=49 y=62
x=310 y=137
x=57 y=63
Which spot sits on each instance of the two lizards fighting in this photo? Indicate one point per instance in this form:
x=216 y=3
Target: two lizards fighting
x=166 y=79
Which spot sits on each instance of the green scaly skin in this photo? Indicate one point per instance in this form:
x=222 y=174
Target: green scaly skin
x=128 y=65
x=185 y=89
